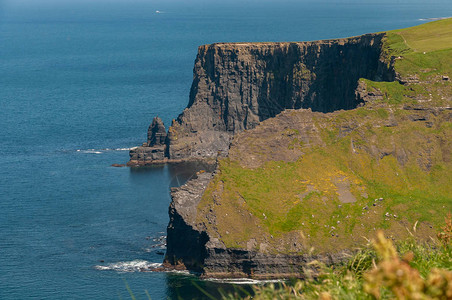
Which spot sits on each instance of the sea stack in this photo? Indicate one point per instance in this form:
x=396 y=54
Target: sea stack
x=156 y=133
x=154 y=149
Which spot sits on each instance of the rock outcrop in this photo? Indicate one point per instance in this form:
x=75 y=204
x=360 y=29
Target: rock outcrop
x=237 y=86
x=154 y=149
x=326 y=142
x=156 y=133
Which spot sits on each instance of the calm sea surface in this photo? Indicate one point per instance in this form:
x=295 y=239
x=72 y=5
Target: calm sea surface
x=79 y=83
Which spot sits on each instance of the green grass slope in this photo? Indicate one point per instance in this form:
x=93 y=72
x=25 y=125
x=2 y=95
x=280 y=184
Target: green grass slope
x=310 y=182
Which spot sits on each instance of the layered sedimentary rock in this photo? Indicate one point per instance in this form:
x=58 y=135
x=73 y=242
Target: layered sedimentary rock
x=186 y=240
x=236 y=86
x=156 y=133
x=154 y=149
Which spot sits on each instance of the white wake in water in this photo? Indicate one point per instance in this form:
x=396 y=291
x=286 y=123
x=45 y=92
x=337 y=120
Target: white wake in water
x=137 y=265
x=243 y=281
x=100 y=151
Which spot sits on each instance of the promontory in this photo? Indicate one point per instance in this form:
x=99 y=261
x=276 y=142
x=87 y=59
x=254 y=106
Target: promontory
x=316 y=146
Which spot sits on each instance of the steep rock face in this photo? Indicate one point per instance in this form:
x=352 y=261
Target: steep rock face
x=236 y=86
x=156 y=133
x=185 y=242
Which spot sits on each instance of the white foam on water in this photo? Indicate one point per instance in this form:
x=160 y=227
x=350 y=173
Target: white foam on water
x=181 y=272
x=100 y=151
x=137 y=265
x=90 y=151
x=243 y=281
x=116 y=149
x=434 y=19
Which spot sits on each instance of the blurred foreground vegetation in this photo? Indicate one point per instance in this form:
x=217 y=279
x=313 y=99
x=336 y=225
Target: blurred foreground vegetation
x=382 y=271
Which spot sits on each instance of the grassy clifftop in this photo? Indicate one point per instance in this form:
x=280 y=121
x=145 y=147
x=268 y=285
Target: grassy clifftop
x=422 y=58
x=306 y=181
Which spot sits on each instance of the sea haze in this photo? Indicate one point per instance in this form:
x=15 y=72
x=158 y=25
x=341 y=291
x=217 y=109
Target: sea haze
x=80 y=81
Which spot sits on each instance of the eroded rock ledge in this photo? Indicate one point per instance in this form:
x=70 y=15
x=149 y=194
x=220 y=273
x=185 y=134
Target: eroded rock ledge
x=237 y=86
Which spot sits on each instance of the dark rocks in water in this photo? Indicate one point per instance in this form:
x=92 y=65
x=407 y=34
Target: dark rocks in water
x=146 y=155
x=118 y=165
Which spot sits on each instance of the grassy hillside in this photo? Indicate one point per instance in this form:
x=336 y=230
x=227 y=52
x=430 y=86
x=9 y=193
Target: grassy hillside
x=428 y=37
x=311 y=182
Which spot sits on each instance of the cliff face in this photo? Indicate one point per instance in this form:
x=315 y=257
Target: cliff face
x=187 y=242
x=236 y=86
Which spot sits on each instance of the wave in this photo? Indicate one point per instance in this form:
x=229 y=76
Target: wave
x=90 y=151
x=118 y=149
x=137 y=265
x=100 y=151
x=244 y=281
x=434 y=19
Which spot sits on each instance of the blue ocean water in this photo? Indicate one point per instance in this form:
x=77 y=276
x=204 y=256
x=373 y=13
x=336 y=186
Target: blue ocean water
x=79 y=83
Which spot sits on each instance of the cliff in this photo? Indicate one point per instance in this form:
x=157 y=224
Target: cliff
x=237 y=86
x=303 y=179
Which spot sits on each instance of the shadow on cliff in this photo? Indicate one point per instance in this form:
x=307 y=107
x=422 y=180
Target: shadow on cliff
x=322 y=77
